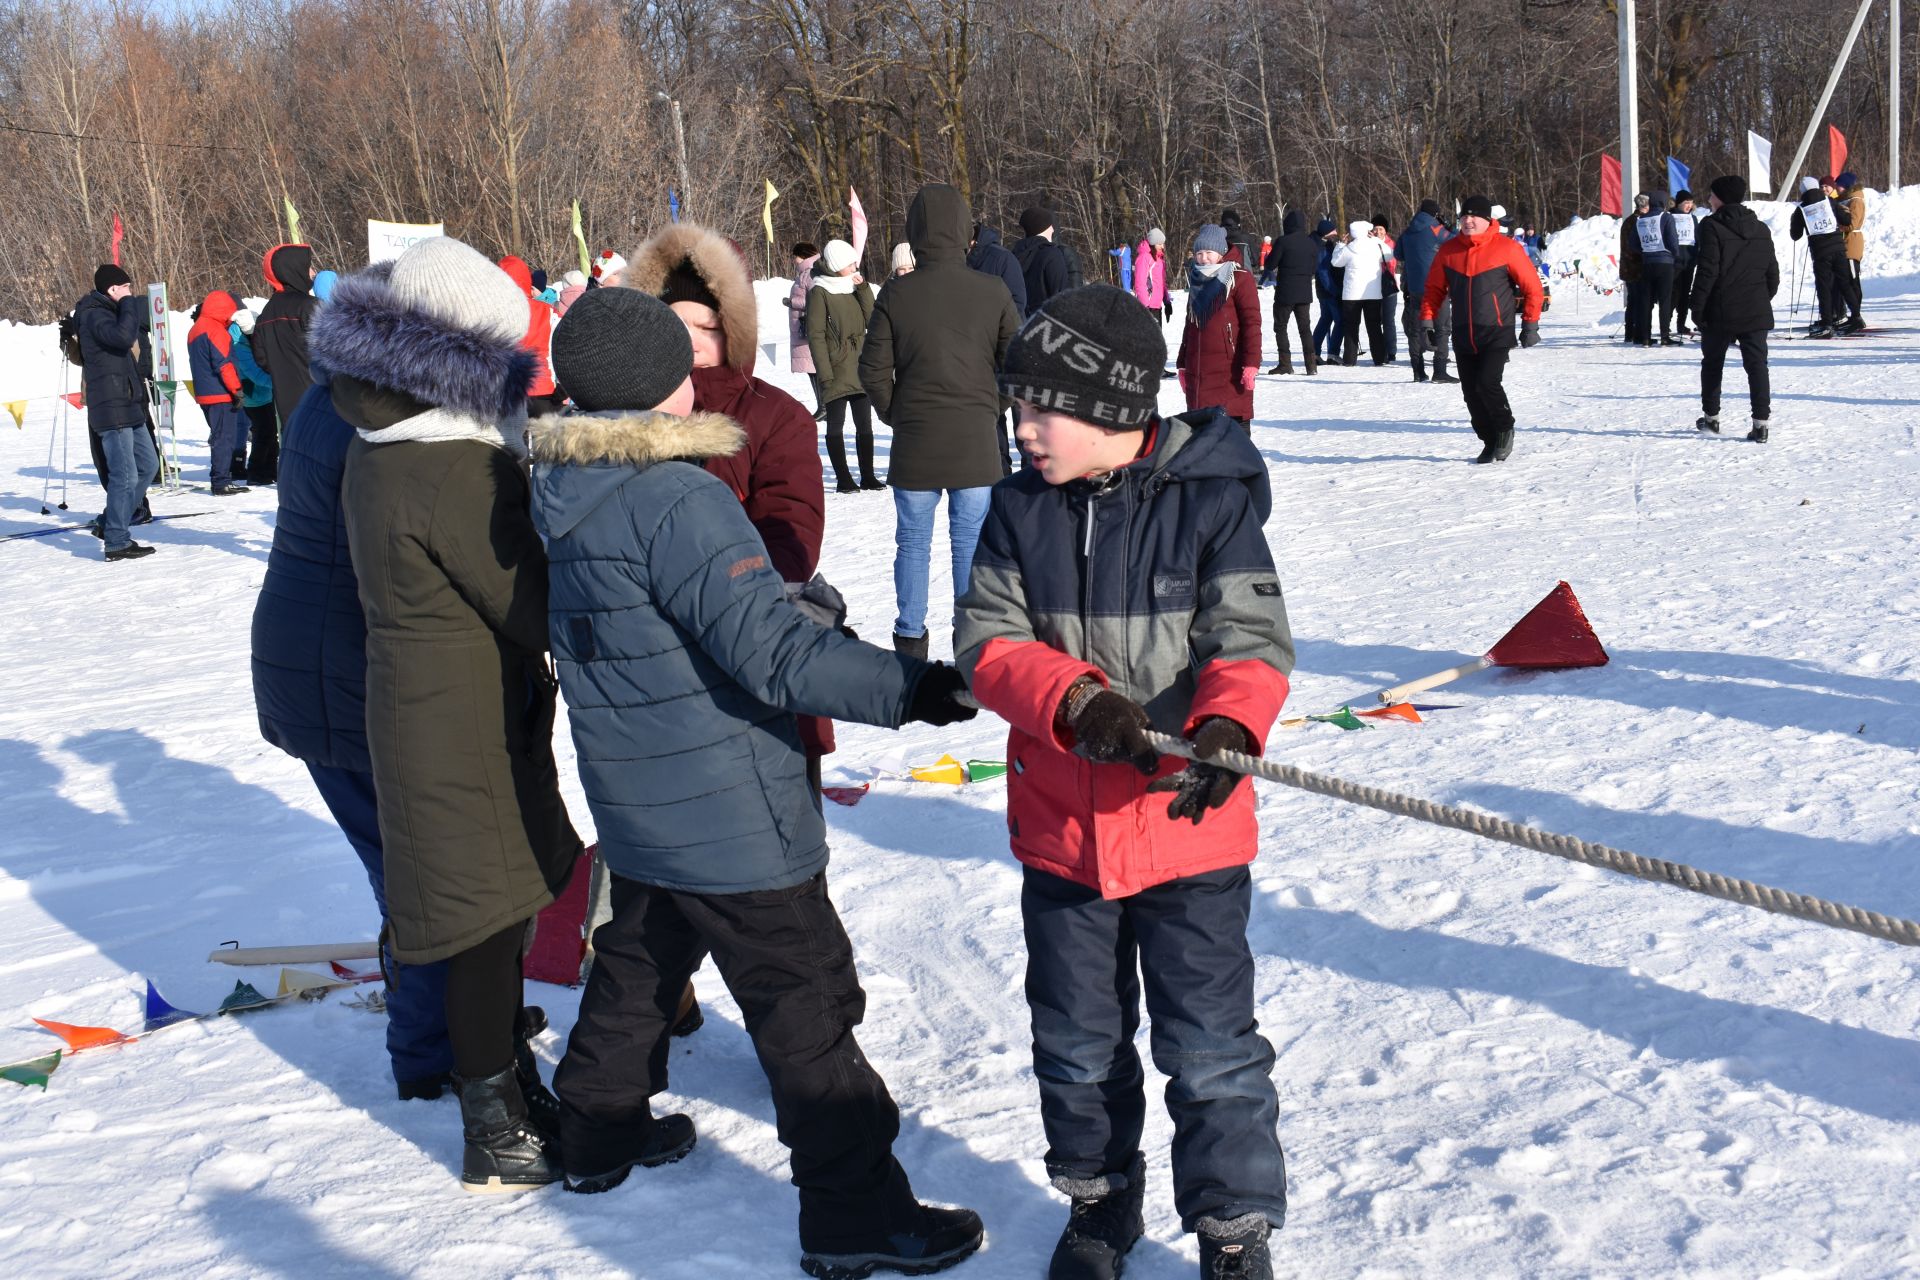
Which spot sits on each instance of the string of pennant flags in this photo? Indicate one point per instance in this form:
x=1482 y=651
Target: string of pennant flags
x=78 y=399
x=158 y=1014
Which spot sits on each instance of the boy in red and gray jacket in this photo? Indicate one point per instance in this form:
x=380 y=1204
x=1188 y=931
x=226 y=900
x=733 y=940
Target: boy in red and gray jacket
x=1123 y=583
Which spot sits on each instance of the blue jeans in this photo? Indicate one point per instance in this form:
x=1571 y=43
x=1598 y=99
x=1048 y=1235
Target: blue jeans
x=1086 y=956
x=416 y=993
x=1331 y=330
x=131 y=463
x=913 y=547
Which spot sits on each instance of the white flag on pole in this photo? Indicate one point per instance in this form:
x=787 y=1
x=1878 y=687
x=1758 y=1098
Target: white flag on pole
x=859 y=219
x=1759 y=163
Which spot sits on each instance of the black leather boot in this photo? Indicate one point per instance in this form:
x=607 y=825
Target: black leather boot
x=505 y=1152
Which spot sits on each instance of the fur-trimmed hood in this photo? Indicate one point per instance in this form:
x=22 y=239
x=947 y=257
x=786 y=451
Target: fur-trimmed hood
x=719 y=266
x=582 y=459
x=365 y=332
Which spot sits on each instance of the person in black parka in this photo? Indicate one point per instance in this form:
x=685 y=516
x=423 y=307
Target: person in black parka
x=1295 y=258
x=111 y=324
x=1735 y=277
x=280 y=345
x=1042 y=262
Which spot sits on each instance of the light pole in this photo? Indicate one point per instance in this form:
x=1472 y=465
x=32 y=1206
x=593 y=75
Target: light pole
x=679 y=138
x=1629 y=108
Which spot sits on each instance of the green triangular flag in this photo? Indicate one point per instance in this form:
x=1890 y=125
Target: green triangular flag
x=981 y=770
x=33 y=1072
x=1344 y=717
x=242 y=998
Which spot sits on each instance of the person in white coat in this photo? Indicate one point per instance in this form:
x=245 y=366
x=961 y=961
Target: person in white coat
x=1362 y=256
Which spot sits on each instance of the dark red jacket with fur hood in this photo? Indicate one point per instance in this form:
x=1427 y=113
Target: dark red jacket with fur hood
x=777 y=476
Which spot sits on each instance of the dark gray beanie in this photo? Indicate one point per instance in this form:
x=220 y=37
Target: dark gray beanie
x=1093 y=353
x=620 y=349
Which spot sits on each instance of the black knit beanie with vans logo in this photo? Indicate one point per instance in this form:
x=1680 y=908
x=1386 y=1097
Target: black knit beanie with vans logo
x=1092 y=353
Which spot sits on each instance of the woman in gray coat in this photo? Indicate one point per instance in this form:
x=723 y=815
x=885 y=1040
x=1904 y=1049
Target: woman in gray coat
x=427 y=364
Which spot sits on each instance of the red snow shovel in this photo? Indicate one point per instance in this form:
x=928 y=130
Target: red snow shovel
x=1555 y=634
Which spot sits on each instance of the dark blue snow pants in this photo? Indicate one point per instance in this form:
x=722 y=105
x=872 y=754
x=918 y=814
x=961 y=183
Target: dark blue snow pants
x=1086 y=957
x=416 y=993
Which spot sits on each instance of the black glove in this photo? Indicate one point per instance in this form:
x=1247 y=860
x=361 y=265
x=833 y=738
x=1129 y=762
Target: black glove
x=1429 y=334
x=935 y=700
x=1110 y=728
x=1529 y=334
x=1201 y=786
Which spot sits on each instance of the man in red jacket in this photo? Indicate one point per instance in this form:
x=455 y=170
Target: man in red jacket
x=542 y=398
x=1487 y=276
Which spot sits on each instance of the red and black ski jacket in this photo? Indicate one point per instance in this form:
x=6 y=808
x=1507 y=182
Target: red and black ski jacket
x=1489 y=277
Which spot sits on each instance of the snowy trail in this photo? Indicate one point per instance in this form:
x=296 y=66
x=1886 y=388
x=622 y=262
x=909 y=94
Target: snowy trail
x=1490 y=1063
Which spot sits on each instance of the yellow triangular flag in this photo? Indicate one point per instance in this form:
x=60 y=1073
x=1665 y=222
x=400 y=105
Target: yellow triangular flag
x=18 y=408
x=945 y=769
x=766 y=212
x=188 y=384
x=293 y=220
x=580 y=239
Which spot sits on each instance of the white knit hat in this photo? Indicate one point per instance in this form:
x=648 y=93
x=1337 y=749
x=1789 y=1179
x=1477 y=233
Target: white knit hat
x=1155 y=236
x=838 y=256
x=575 y=279
x=1809 y=184
x=456 y=283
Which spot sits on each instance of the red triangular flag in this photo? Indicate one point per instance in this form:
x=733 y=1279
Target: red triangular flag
x=117 y=233
x=848 y=796
x=1554 y=634
x=1836 y=152
x=77 y=399
x=84 y=1037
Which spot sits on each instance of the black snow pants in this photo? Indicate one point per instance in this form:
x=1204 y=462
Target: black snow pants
x=1753 y=354
x=1480 y=384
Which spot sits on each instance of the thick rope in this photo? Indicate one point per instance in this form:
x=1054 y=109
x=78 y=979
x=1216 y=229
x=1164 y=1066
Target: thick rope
x=1798 y=905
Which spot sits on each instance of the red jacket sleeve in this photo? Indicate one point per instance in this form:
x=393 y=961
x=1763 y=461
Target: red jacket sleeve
x=1246 y=301
x=786 y=500
x=1249 y=692
x=1023 y=682
x=1436 y=284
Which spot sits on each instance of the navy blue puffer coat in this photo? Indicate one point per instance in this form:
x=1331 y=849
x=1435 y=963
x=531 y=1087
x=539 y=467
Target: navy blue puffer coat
x=309 y=635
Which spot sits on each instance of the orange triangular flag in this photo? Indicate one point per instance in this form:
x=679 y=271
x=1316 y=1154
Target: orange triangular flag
x=77 y=399
x=78 y=1038
x=1398 y=711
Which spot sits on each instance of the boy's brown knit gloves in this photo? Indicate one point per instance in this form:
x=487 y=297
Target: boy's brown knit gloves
x=1201 y=786
x=1107 y=727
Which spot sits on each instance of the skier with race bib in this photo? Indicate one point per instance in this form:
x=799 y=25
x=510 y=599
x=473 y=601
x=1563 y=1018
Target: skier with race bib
x=1824 y=223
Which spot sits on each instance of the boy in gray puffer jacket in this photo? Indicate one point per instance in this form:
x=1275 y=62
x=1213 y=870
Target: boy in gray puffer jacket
x=683 y=662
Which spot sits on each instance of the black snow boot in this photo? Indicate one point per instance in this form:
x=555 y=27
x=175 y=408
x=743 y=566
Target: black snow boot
x=1444 y=376
x=1486 y=454
x=1503 y=447
x=1106 y=1222
x=599 y=1158
x=1235 y=1249
x=912 y=646
x=688 y=1018
x=943 y=1238
x=1708 y=422
x=505 y=1153
x=543 y=1109
x=1759 y=432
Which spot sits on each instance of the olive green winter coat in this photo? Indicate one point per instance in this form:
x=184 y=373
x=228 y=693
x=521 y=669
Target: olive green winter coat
x=460 y=699
x=836 y=326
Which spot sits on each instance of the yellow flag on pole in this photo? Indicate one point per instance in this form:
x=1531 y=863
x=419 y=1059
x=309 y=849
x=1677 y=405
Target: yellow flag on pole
x=18 y=408
x=293 y=220
x=580 y=239
x=766 y=212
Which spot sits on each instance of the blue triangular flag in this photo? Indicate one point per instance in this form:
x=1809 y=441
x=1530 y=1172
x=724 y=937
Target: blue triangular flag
x=160 y=1013
x=1679 y=177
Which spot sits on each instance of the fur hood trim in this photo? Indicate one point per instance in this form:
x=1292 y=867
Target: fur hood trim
x=367 y=333
x=719 y=266
x=634 y=439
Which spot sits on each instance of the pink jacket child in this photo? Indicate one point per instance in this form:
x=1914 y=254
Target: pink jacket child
x=802 y=361
x=1150 y=270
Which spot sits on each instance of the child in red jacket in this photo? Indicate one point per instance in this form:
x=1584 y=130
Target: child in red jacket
x=1123 y=583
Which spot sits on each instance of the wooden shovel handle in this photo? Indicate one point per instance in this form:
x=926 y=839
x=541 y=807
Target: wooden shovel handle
x=1401 y=692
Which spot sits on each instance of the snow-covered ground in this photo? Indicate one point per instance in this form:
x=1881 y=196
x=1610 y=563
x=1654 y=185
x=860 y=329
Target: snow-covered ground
x=1490 y=1062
